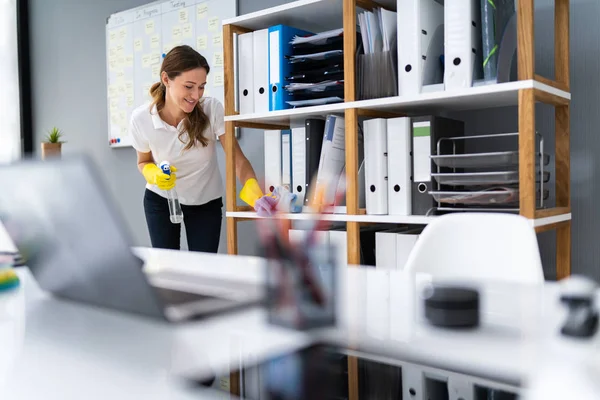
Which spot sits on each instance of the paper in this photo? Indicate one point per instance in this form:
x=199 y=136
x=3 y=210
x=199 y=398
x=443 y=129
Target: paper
x=112 y=64
x=122 y=117
x=146 y=60
x=122 y=33
x=219 y=78
x=112 y=52
x=121 y=88
x=112 y=36
x=120 y=50
x=201 y=10
x=201 y=42
x=183 y=16
x=155 y=71
x=130 y=99
x=120 y=74
x=155 y=41
x=138 y=44
x=176 y=33
x=217 y=60
x=155 y=58
x=217 y=39
x=124 y=131
x=129 y=60
x=149 y=26
x=121 y=62
x=167 y=47
x=114 y=105
x=146 y=89
x=213 y=24
x=129 y=88
x=187 y=30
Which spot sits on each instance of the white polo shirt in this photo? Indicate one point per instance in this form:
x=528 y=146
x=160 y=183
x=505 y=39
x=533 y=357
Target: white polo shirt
x=198 y=177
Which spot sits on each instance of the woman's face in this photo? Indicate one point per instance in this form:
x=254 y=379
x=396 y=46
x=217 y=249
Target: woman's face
x=186 y=89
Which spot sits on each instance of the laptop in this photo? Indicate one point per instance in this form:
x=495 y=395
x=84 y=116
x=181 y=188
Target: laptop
x=63 y=221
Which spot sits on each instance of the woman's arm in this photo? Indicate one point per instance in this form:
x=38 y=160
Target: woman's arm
x=143 y=159
x=243 y=169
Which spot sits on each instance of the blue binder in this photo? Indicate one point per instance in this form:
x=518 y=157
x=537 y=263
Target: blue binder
x=280 y=37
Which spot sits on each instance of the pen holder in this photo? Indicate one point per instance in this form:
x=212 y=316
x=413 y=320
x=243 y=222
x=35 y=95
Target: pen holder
x=301 y=295
x=377 y=75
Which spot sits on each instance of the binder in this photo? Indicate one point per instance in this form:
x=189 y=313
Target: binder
x=462 y=43
x=376 y=165
x=333 y=157
x=299 y=183
x=280 y=37
x=286 y=159
x=246 y=72
x=426 y=132
x=420 y=44
x=314 y=131
x=399 y=166
x=393 y=246
x=273 y=160
x=261 y=70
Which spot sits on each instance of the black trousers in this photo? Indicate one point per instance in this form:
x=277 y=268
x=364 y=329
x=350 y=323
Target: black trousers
x=202 y=224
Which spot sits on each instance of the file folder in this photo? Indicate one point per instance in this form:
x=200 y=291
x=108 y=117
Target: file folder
x=426 y=132
x=420 y=44
x=286 y=159
x=376 y=166
x=280 y=37
x=333 y=157
x=399 y=135
x=246 y=72
x=261 y=70
x=462 y=43
x=273 y=159
x=299 y=183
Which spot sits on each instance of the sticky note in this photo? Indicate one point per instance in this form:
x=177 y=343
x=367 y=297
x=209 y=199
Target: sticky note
x=124 y=131
x=176 y=33
x=138 y=44
x=167 y=47
x=130 y=100
x=112 y=52
x=217 y=39
x=129 y=87
x=155 y=41
x=155 y=58
x=149 y=26
x=146 y=60
x=146 y=89
x=129 y=60
x=213 y=24
x=122 y=33
x=112 y=64
x=201 y=42
x=155 y=71
x=219 y=78
x=112 y=36
x=217 y=60
x=187 y=30
x=121 y=88
x=112 y=90
x=183 y=16
x=114 y=104
x=120 y=50
x=120 y=74
x=201 y=10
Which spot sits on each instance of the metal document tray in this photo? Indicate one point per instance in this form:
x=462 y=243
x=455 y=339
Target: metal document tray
x=484 y=197
x=481 y=178
x=483 y=160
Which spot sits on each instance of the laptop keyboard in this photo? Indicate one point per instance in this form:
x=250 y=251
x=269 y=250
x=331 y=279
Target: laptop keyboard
x=176 y=297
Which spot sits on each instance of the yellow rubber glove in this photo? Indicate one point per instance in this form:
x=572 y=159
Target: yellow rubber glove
x=251 y=192
x=155 y=176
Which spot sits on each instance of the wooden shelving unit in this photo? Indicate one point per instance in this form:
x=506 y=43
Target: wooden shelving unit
x=531 y=88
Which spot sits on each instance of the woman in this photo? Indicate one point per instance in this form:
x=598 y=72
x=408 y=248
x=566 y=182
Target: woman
x=181 y=127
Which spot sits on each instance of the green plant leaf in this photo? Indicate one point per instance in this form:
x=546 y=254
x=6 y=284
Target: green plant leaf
x=54 y=135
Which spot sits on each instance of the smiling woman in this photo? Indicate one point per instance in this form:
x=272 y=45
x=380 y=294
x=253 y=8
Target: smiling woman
x=10 y=108
x=181 y=126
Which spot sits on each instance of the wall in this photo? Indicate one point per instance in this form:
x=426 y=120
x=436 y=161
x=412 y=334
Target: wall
x=69 y=91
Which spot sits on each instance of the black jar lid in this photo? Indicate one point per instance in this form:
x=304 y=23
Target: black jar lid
x=452 y=306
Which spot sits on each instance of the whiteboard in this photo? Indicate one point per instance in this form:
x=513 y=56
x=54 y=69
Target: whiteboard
x=136 y=42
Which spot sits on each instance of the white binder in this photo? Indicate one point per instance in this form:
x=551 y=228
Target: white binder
x=299 y=163
x=385 y=250
x=261 y=70
x=405 y=241
x=420 y=44
x=462 y=42
x=246 y=72
x=399 y=166
x=376 y=165
x=273 y=160
x=286 y=159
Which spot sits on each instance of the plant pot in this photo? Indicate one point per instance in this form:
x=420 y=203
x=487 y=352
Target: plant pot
x=51 y=150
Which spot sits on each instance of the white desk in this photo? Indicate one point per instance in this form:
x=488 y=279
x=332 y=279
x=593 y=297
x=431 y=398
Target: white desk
x=53 y=349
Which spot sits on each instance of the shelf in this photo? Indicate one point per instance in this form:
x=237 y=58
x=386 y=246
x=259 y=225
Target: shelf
x=472 y=98
x=380 y=219
x=310 y=15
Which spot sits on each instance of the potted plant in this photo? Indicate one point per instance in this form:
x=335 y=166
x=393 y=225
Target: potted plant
x=52 y=146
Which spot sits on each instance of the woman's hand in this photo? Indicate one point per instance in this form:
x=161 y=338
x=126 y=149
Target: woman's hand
x=155 y=176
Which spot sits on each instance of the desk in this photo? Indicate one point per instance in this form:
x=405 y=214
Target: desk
x=62 y=350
